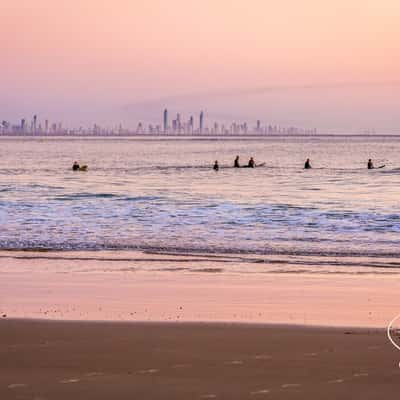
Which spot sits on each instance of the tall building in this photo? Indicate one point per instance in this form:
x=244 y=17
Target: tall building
x=178 y=123
x=215 y=128
x=165 y=121
x=23 y=125
x=34 y=123
x=201 y=121
x=139 y=129
x=191 y=124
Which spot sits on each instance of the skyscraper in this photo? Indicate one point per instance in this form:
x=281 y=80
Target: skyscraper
x=191 y=123
x=23 y=125
x=178 y=123
x=34 y=123
x=201 y=121
x=165 y=123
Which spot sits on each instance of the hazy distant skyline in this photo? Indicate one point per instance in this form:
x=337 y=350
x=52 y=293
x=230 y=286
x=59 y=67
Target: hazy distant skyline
x=329 y=65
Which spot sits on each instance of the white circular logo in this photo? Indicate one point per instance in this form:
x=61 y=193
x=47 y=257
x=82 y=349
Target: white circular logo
x=389 y=333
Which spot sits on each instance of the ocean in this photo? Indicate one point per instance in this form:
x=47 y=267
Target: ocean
x=161 y=194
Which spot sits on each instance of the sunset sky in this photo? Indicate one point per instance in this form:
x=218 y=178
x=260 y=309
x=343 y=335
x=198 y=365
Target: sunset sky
x=333 y=65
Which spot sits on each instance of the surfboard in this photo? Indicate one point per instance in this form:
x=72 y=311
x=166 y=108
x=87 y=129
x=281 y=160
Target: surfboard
x=381 y=166
x=83 y=168
x=256 y=166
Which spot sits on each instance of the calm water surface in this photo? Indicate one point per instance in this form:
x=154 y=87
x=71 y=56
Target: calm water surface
x=163 y=194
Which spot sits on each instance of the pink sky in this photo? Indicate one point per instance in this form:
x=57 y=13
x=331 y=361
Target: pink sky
x=333 y=65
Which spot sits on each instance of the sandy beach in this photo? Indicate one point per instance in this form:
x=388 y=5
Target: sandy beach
x=202 y=331
x=135 y=286
x=82 y=360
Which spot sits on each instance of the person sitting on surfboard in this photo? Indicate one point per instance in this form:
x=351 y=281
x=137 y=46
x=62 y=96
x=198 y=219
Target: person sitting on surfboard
x=236 y=163
x=252 y=163
x=216 y=166
x=307 y=164
x=370 y=164
x=75 y=167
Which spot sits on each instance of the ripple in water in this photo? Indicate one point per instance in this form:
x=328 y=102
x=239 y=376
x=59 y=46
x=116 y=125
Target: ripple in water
x=164 y=195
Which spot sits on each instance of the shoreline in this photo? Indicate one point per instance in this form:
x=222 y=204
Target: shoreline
x=215 y=253
x=202 y=136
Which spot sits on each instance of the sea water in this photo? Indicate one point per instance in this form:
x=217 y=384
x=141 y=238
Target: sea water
x=162 y=194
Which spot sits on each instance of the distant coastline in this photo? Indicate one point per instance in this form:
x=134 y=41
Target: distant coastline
x=199 y=136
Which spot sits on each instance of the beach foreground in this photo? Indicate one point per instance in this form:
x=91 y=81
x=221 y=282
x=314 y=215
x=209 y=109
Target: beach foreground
x=103 y=360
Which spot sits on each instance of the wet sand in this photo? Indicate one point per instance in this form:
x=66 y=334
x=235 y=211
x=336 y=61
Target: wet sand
x=143 y=287
x=89 y=360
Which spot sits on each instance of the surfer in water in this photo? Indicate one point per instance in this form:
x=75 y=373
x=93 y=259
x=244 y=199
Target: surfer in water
x=307 y=164
x=236 y=163
x=216 y=166
x=75 y=166
x=370 y=164
x=251 y=163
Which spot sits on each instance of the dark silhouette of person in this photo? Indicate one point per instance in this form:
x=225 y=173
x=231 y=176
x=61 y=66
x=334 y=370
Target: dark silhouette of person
x=307 y=164
x=75 y=166
x=216 y=166
x=236 y=164
x=251 y=164
x=370 y=164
